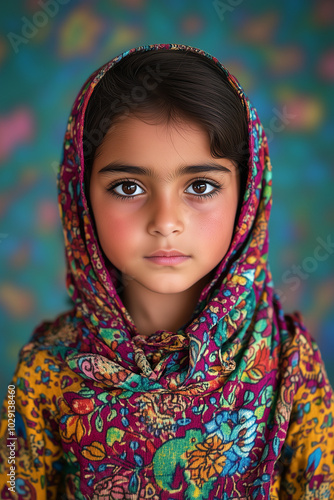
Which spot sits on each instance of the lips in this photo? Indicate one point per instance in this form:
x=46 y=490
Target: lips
x=167 y=253
x=167 y=257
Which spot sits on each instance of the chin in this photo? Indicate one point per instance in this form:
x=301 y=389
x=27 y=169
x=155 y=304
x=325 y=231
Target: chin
x=168 y=288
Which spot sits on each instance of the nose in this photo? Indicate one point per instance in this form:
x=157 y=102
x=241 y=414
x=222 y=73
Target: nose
x=165 y=216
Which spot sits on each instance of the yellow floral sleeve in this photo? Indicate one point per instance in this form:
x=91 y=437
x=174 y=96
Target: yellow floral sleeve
x=30 y=449
x=306 y=464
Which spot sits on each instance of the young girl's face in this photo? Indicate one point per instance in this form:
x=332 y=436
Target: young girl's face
x=164 y=208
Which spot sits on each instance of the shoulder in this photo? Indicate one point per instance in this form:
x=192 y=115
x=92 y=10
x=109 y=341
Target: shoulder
x=298 y=333
x=306 y=456
x=302 y=356
x=49 y=338
x=41 y=365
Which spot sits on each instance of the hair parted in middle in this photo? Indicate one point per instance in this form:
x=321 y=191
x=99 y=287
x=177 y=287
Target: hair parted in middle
x=167 y=85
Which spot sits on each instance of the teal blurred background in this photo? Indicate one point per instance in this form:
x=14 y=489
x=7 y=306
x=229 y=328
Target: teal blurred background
x=282 y=52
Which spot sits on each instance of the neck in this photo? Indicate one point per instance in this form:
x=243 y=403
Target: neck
x=152 y=311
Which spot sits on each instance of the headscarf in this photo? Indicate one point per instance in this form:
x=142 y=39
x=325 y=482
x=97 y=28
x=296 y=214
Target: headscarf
x=238 y=302
x=203 y=412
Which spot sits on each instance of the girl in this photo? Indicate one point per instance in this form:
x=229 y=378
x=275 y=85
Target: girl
x=176 y=374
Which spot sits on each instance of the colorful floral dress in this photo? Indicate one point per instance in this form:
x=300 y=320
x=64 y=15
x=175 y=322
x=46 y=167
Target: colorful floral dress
x=236 y=405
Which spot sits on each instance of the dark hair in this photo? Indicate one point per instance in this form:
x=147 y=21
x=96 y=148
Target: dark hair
x=170 y=85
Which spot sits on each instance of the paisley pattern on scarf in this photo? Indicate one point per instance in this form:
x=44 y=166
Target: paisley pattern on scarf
x=235 y=405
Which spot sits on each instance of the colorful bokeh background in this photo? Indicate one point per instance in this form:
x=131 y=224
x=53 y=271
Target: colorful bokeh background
x=283 y=54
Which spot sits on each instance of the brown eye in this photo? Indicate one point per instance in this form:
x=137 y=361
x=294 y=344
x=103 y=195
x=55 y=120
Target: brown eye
x=129 y=188
x=202 y=188
x=126 y=189
x=199 y=187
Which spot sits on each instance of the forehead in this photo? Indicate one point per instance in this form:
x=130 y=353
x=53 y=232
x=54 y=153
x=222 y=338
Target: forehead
x=157 y=145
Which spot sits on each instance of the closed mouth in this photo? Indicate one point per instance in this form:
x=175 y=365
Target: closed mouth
x=167 y=254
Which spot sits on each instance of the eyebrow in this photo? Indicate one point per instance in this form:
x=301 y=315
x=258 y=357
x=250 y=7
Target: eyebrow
x=187 y=169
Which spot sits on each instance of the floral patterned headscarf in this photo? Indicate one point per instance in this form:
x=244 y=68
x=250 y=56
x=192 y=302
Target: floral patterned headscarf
x=234 y=405
x=238 y=302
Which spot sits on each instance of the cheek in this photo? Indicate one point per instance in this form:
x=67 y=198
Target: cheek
x=216 y=225
x=122 y=227
x=116 y=232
